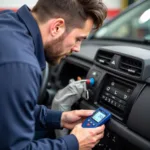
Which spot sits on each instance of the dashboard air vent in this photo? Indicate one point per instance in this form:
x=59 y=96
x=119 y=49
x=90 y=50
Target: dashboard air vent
x=131 y=66
x=104 y=57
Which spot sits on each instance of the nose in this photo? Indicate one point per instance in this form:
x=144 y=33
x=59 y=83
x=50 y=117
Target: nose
x=76 y=48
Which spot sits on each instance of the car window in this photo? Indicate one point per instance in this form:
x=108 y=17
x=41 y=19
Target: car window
x=134 y=24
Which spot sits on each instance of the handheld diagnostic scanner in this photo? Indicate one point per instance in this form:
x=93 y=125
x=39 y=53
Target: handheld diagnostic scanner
x=99 y=117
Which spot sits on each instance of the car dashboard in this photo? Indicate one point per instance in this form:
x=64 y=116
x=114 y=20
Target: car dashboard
x=122 y=86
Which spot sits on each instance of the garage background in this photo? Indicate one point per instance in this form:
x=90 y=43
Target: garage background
x=114 y=6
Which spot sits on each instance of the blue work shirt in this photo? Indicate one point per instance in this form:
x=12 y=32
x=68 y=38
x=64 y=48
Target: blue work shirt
x=21 y=63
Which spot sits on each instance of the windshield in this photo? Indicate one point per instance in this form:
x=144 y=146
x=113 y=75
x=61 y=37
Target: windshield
x=134 y=24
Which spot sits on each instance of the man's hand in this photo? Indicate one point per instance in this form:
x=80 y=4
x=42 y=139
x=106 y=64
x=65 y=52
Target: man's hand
x=88 y=137
x=71 y=118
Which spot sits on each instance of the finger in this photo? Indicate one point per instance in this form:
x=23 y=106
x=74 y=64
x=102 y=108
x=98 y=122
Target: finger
x=97 y=139
x=97 y=142
x=84 y=113
x=99 y=129
x=99 y=136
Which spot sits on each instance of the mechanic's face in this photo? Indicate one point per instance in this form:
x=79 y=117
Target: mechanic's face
x=67 y=43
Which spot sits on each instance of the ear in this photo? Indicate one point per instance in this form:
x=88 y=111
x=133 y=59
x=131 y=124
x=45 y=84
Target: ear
x=56 y=27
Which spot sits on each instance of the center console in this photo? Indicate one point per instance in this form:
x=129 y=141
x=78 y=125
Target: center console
x=113 y=92
x=117 y=94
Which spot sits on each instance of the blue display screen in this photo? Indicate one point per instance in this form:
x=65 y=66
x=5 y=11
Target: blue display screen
x=98 y=116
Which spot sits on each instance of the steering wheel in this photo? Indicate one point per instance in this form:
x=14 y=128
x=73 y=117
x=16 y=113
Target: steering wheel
x=44 y=84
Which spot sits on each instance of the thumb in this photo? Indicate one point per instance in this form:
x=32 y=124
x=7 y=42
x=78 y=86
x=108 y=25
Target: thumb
x=84 y=113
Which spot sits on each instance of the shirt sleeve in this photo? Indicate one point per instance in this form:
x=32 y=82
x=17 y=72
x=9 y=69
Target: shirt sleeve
x=19 y=88
x=47 y=118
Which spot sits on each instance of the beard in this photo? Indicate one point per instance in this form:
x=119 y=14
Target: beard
x=54 y=50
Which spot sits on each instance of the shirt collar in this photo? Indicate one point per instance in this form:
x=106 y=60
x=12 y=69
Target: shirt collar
x=25 y=15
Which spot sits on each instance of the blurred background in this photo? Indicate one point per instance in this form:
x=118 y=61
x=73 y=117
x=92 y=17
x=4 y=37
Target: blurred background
x=114 y=6
x=126 y=19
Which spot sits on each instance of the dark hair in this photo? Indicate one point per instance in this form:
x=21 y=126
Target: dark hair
x=74 y=12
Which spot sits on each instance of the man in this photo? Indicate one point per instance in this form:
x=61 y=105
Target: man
x=56 y=28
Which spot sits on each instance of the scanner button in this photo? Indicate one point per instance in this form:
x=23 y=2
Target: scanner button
x=88 y=124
